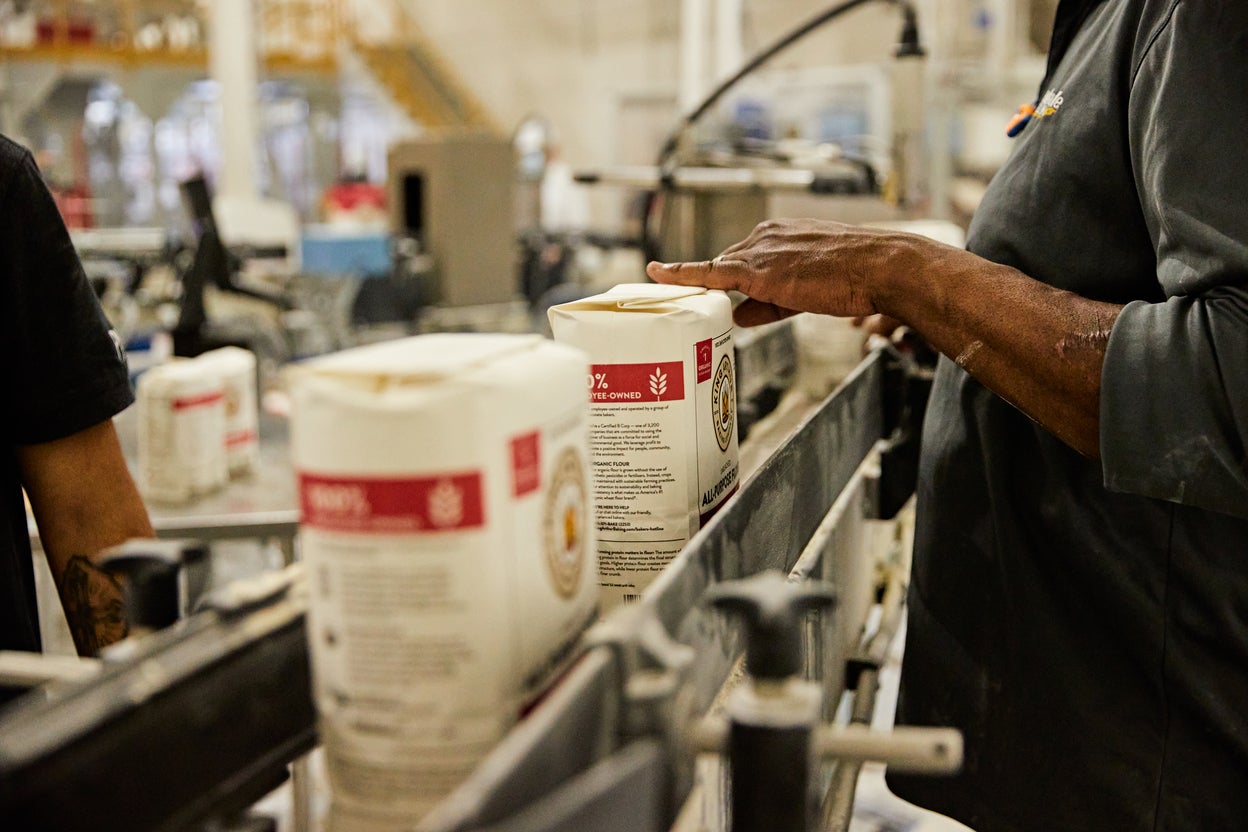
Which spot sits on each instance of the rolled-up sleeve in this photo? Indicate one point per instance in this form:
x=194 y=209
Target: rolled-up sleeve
x=1174 y=400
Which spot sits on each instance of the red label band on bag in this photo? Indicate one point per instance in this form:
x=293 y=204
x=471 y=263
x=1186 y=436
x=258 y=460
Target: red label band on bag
x=704 y=353
x=662 y=381
x=242 y=437
x=450 y=502
x=526 y=464
x=187 y=402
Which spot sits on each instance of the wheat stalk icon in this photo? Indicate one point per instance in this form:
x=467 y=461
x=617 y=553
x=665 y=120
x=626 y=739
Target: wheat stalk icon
x=658 y=382
x=445 y=505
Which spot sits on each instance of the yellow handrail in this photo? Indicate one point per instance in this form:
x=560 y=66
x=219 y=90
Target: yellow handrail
x=130 y=20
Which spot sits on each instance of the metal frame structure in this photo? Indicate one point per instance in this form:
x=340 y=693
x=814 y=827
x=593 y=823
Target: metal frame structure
x=200 y=719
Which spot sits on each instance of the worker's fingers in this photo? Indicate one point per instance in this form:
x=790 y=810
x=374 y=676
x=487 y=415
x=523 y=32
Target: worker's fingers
x=713 y=274
x=756 y=313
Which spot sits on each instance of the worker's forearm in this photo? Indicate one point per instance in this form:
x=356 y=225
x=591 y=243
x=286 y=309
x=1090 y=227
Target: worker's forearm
x=1037 y=347
x=84 y=502
x=1040 y=348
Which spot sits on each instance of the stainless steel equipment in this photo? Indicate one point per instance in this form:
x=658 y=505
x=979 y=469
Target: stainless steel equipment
x=706 y=208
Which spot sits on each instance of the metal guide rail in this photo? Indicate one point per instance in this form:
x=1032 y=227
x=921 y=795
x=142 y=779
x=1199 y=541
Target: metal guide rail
x=201 y=720
x=194 y=722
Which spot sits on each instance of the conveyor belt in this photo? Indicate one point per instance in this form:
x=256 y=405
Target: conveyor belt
x=201 y=720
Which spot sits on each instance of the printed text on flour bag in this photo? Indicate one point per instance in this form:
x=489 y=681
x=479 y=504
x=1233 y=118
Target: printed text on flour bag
x=660 y=381
x=445 y=503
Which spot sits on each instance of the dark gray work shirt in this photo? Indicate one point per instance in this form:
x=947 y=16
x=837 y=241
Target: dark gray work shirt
x=1086 y=624
x=62 y=370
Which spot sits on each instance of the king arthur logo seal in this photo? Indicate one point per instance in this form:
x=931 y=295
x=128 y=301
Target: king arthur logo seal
x=566 y=523
x=724 y=403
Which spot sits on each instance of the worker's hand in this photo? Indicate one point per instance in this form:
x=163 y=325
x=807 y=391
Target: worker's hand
x=790 y=266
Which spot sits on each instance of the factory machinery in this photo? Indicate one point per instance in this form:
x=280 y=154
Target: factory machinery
x=736 y=694
x=186 y=727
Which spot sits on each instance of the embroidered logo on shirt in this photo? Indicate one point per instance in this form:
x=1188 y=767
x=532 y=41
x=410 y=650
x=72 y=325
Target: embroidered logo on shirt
x=117 y=345
x=1050 y=104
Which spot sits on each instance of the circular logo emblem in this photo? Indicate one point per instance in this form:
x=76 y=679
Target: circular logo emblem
x=724 y=403
x=566 y=523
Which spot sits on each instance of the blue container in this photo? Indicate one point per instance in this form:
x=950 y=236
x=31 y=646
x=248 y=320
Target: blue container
x=345 y=253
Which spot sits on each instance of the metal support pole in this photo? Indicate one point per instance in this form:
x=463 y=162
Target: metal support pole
x=729 y=43
x=286 y=543
x=232 y=61
x=301 y=795
x=694 y=15
x=838 y=802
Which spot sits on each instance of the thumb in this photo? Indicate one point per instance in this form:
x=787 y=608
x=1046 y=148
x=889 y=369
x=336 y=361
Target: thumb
x=660 y=272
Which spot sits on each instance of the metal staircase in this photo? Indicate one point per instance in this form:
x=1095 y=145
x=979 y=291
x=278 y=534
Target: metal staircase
x=411 y=67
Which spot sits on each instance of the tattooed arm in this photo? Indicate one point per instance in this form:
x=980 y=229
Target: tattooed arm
x=84 y=501
x=93 y=605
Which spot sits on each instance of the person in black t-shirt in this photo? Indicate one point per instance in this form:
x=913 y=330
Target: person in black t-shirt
x=66 y=377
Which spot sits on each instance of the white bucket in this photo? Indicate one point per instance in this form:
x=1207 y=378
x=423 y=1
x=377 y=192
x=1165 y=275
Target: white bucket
x=448 y=535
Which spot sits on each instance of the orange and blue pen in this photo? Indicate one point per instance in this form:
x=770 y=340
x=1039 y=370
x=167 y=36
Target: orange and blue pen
x=1020 y=120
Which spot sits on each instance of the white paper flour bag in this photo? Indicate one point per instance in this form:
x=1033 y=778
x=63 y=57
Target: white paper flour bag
x=237 y=368
x=448 y=533
x=663 y=410
x=181 y=432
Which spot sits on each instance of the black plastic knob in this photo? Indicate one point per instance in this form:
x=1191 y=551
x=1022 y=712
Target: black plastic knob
x=772 y=610
x=149 y=573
